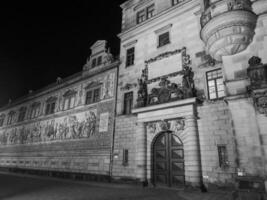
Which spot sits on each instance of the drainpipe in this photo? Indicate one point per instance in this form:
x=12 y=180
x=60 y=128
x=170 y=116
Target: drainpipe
x=114 y=123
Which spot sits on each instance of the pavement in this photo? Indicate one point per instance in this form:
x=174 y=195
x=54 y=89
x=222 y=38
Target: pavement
x=27 y=187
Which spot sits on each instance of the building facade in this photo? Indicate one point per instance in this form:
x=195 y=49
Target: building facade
x=191 y=107
x=185 y=105
x=67 y=127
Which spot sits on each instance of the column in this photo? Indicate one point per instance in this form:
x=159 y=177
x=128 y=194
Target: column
x=192 y=152
x=141 y=152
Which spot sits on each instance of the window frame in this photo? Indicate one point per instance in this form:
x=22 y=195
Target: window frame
x=215 y=84
x=22 y=114
x=128 y=103
x=2 y=120
x=222 y=156
x=130 y=56
x=176 y=2
x=50 y=107
x=94 y=61
x=166 y=42
x=150 y=11
x=99 y=61
x=93 y=98
x=69 y=97
x=35 y=110
x=125 y=157
x=145 y=13
x=10 y=118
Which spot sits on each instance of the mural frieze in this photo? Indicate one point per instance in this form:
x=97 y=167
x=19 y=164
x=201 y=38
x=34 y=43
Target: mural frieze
x=79 y=126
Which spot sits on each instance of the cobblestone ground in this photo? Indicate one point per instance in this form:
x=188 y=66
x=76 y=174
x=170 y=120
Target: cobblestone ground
x=19 y=187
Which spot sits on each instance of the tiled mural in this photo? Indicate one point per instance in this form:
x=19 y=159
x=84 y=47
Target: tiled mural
x=76 y=126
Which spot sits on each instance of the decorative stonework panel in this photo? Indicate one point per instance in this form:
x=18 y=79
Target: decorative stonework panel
x=108 y=86
x=175 y=125
x=103 y=122
x=79 y=126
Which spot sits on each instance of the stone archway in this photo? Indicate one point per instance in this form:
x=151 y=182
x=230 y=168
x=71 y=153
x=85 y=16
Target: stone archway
x=168 y=160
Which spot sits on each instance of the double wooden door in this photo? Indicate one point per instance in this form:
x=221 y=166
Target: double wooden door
x=168 y=161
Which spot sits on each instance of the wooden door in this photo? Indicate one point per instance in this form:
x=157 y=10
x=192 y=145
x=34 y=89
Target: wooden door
x=168 y=161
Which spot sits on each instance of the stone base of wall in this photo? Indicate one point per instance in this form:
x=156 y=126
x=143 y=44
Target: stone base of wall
x=60 y=174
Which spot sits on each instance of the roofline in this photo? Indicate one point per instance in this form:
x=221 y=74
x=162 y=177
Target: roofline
x=57 y=86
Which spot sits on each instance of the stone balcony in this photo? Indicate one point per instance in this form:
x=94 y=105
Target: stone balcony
x=227 y=27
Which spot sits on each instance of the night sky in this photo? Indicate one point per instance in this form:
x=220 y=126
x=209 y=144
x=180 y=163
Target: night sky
x=48 y=39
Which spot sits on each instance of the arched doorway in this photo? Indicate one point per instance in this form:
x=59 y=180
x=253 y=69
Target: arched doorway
x=168 y=161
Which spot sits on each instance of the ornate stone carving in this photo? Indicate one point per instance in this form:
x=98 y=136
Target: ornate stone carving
x=257 y=73
x=167 y=91
x=142 y=91
x=171 y=91
x=260 y=101
x=128 y=86
x=227 y=27
x=175 y=125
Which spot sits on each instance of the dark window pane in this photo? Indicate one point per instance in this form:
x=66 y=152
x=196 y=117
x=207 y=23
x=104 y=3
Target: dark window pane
x=128 y=102
x=141 y=16
x=89 y=97
x=130 y=57
x=94 y=63
x=99 y=60
x=175 y=2
x=164 y=39
x=150 y=11
x=96 y=95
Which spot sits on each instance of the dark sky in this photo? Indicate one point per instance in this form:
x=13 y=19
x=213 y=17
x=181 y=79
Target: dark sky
x=48 y=39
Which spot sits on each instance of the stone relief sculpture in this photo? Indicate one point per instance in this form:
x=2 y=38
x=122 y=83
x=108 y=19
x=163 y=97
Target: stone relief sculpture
x=67 y=128
x=167 y=90
x=176 y=125
x=257 y=73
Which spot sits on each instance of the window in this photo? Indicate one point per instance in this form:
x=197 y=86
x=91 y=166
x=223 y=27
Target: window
x=22 y=114
x=2 y=119
x=128 y=103
x=141 y=16
x=164 y=39
x=145 y=14
x=99 y=60
x=50 y=106
x=94 y=63
x=69 y=99
x=125 y=160
x=92 y=96
x=223 y=158
x=130 y=57
x=215 y=84
x=11 y=117
x=150 y=11
x=175 y=2
x=35 y=109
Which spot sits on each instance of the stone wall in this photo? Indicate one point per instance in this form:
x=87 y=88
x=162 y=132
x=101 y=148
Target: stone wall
x=125 y=138
x=215 y=128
